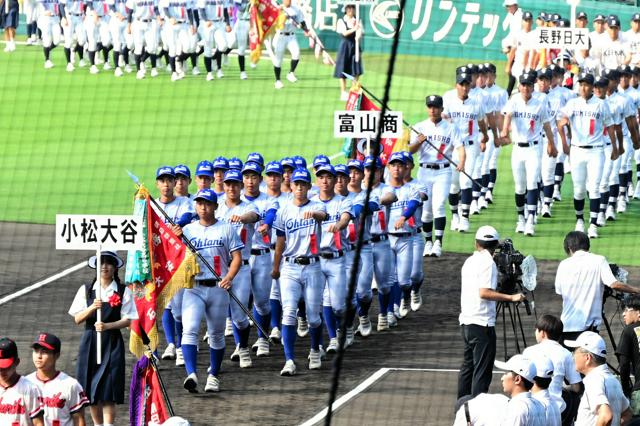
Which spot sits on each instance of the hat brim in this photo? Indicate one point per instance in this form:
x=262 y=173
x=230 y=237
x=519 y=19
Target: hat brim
x=183 y=174
x=435 y=104
x=501 y=365
x=6 y=362
x=232 y=180
x=585 y=80
x=165 y=175
x=208 y=174
x=43 y=345
x=300 y=180
x=92 y=260
x=205 y=199
x=571 y=343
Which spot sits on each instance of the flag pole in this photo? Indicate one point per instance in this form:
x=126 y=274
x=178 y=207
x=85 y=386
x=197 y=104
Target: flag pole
x=146 y=341
x=99 y=297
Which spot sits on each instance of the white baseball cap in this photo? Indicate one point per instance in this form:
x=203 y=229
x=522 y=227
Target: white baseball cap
x=520 y=365
x=487 y=233
x=510 y=3
x=544 y=367
x=589 y=341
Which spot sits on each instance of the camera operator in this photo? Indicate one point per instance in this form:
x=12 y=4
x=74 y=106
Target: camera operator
x=478 y=299
x=628 y=352
x=580 y=280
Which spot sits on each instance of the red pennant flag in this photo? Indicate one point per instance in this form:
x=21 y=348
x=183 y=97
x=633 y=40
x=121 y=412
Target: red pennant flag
x=592 y=126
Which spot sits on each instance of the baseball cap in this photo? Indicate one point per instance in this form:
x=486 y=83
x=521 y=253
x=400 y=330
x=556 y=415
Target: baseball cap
x=527 y=78
x=599 y=17
x=581 y=15
x=601 y=82
x=287 y=162
x=556 y=17
x=634 y=69
x=434 y=101
x=320 y=160
x=368 y=162
x=251 y=166
x=301 y=174
x=527 y=16
x=624 y=70
x=342 y=169
x=520 y=365
x=408 y=157
x=589 y=341
x=544 y=16
x=233 y=175
x=183 y=170
x=204 y=168
x=235 y=163
x=220 y=163
x=165 y=171
x=613 y=21
x=273 y=167
x=255 y=157
x=8 y=352
x=110 y=254
x=556 y=70
x=325 y=168
x=463 y=78
x=563 y=23
x=206 y=194
x=47 y=341
x=544 y=367
x=487 y=233
x=586 y=78
x=544 y=73
x=611 y=74
x=300 y=161
x=355 y=164
x=635 y=17
x=397 y=156
x=510 y=3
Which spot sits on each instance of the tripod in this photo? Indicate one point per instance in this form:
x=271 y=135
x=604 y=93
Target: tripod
x=607 y=326
x=516 y=322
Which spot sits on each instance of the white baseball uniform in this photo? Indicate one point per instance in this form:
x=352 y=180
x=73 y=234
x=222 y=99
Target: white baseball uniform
x=144 y=25
x=49 y=22
x=62 y=397
x=285 y=39
x=20 y=403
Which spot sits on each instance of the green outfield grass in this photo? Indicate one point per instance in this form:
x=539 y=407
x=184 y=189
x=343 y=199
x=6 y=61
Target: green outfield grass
x=67 y=138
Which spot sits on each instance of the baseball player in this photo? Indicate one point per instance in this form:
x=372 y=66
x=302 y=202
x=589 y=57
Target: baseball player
x=121 y=40
x=297 y=265
x=217 y=242
x=435 y=170
x=22 y=398
x=242 y=216
x=241 y=33
x=526 y=116
x=63 y=398
x=143 y=25
x=96 y=24
x=468 y=115
x=73 y=31
x=179 y=30
x=635 y=84
x=613 y=49
x=220 y=167
x=183 y=180
x=588 y=117
x=235 y=164
x=30 y=10
x=214 y=26
x=204 y=174
x=558 y=76
x=49 y=13
x=518 y=56
x=626 y=172
x=285 y=38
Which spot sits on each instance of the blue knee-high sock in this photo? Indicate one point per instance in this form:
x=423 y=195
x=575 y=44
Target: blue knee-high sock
x=406 y=293
x=302 y=309
x=236 y=334
x=288 y=340
x=578 y=205
x=276 y=313
x=329 y=321
x=350 y=316
x=594 y=208
x=243 y=336
x=215 y=360
x=384 y=300
x=532 y=201
x=263 y=320
x=416 y=286
x=190 y=354
x=396 y=295
x=363 y=307
x=169 y=326
x=178 y=334
x=316 y=337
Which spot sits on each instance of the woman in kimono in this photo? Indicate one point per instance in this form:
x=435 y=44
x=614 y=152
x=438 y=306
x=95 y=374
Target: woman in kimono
x=349 y=29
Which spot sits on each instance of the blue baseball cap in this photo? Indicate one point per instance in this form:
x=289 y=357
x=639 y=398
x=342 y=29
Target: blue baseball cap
x=183 y=170
x=287 y=162
x=255 y=157
x=320 y=160
x=273 y=167
x=397 y=156
x=220 y=163
x=233 y=175
x=342 y=169
x=368 y=162
x=408 y=157
x=204 y=168
x=355 y=164
x=300 y=161
x=165 y=171
x=301 y=174
x=235 y=163
x=250 y=166
x=207 y=195
x=325 y=168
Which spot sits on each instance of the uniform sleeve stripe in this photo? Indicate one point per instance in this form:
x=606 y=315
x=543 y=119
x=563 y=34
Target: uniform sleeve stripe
x=35 y=413
x=79 y=406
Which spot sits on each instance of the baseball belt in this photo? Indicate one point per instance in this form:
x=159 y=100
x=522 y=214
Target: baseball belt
x=286 y=34
x=402 y=234
x=259 y=252
x=587 y=146
x=207 y=283
x=332 y=255
x=434 y=166
x=379 y=237
x=527 y=144
x=302 y=260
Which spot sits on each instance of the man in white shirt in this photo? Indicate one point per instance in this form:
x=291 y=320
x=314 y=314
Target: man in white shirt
x=485 y=409
x=614 y=50
x=632 y=37
x=603 y=402
x=513 y=24
x=580 y=280
x=478 y=299
x=540 y=390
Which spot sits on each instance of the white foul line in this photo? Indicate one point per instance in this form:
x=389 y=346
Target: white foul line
x=42 y=283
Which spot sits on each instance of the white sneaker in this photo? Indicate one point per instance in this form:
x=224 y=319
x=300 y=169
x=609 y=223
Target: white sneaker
x=82 y=63
x=416 y=300
x=463 y=225
x=546 y=211
x=622 y=205
x=529 y=227
x=118 y=72
x=289 y=368
x=107 y=66
x=170 y=352
x=235 y=356
x=405 y=307
x=128 y=69
x=303 y=327
x=179 y=357
x=154 y=72
x=292 y=77
x=243 y=75
x=140 y=75
x=350 y=339
x=396 y=311
x=245 y=358
x=195 y=71
x=383 y=322
x=455 y=221
x=333 y=346
x=219 y=73
x=279 y=85
x=210 y=76
x=94 y=69
x=593 y=231
x=228 y=328
x=344 y=96
x=488 y=196
x=191 y=383
x=482 y=203
x=213 y=384
x=556 y=194
x=48 y=65
x=520 y=225
x=579 y=225
x=427 y=249
x=29 y=43
x=601 y=220
x=275 y=335
x=365 y=326
x=473 y=208
x=263 y=347
x=314 y=360
x=70 y=67
x=254 y=347
x=436 y=251
x=610 y=214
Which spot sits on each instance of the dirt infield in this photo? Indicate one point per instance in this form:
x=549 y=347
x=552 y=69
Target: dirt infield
x=427 y=339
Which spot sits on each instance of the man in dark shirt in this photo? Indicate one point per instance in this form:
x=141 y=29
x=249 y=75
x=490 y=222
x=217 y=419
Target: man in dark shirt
x=628 y=352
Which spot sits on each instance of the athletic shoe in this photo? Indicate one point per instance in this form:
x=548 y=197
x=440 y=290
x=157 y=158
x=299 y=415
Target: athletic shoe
x=179 y=357
x=254 y=348
x=546 y=211
x=530 y=227
x=636 y=193
x=405 y=307
x=213 y=384
x=235 y=356
x=593 y=231
x=170 y=352
x=365 y=326
x=579 y=225
x=180 y=75
x=263 y=347
x=70 y=67
x=383 y=322
x=556 y=194
x=520 y=225
x=314 y=360
x=191 y=383
x=289 y=368
x=82 y=63
x=488 y=196
x=228 y=329
x=128 y=69
x=253 y=65
x=219 y=73
x=455 y=221
x=210 y=76
x=118 y=72
x=292 y=77
x=463 y=225
x=154 y=72
x=195 y=71
x=416 y=300
x=303 y=327
x=610 y=214
x=243 y=75
x=482 y=203
x=333 y=346
x=427 y=249
x=622 y=205
x=29 y=43
x=140 y=75
x=473 y=208
x=350 y=339
x=94 y=69
x=48 y=65
x=396 y=311
x=107 y=66
x=436 y=251
x=245 y=358
x=392 y=320
x=275 y=335
x=344 y=96
x=601 y=220
x=279 y=85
